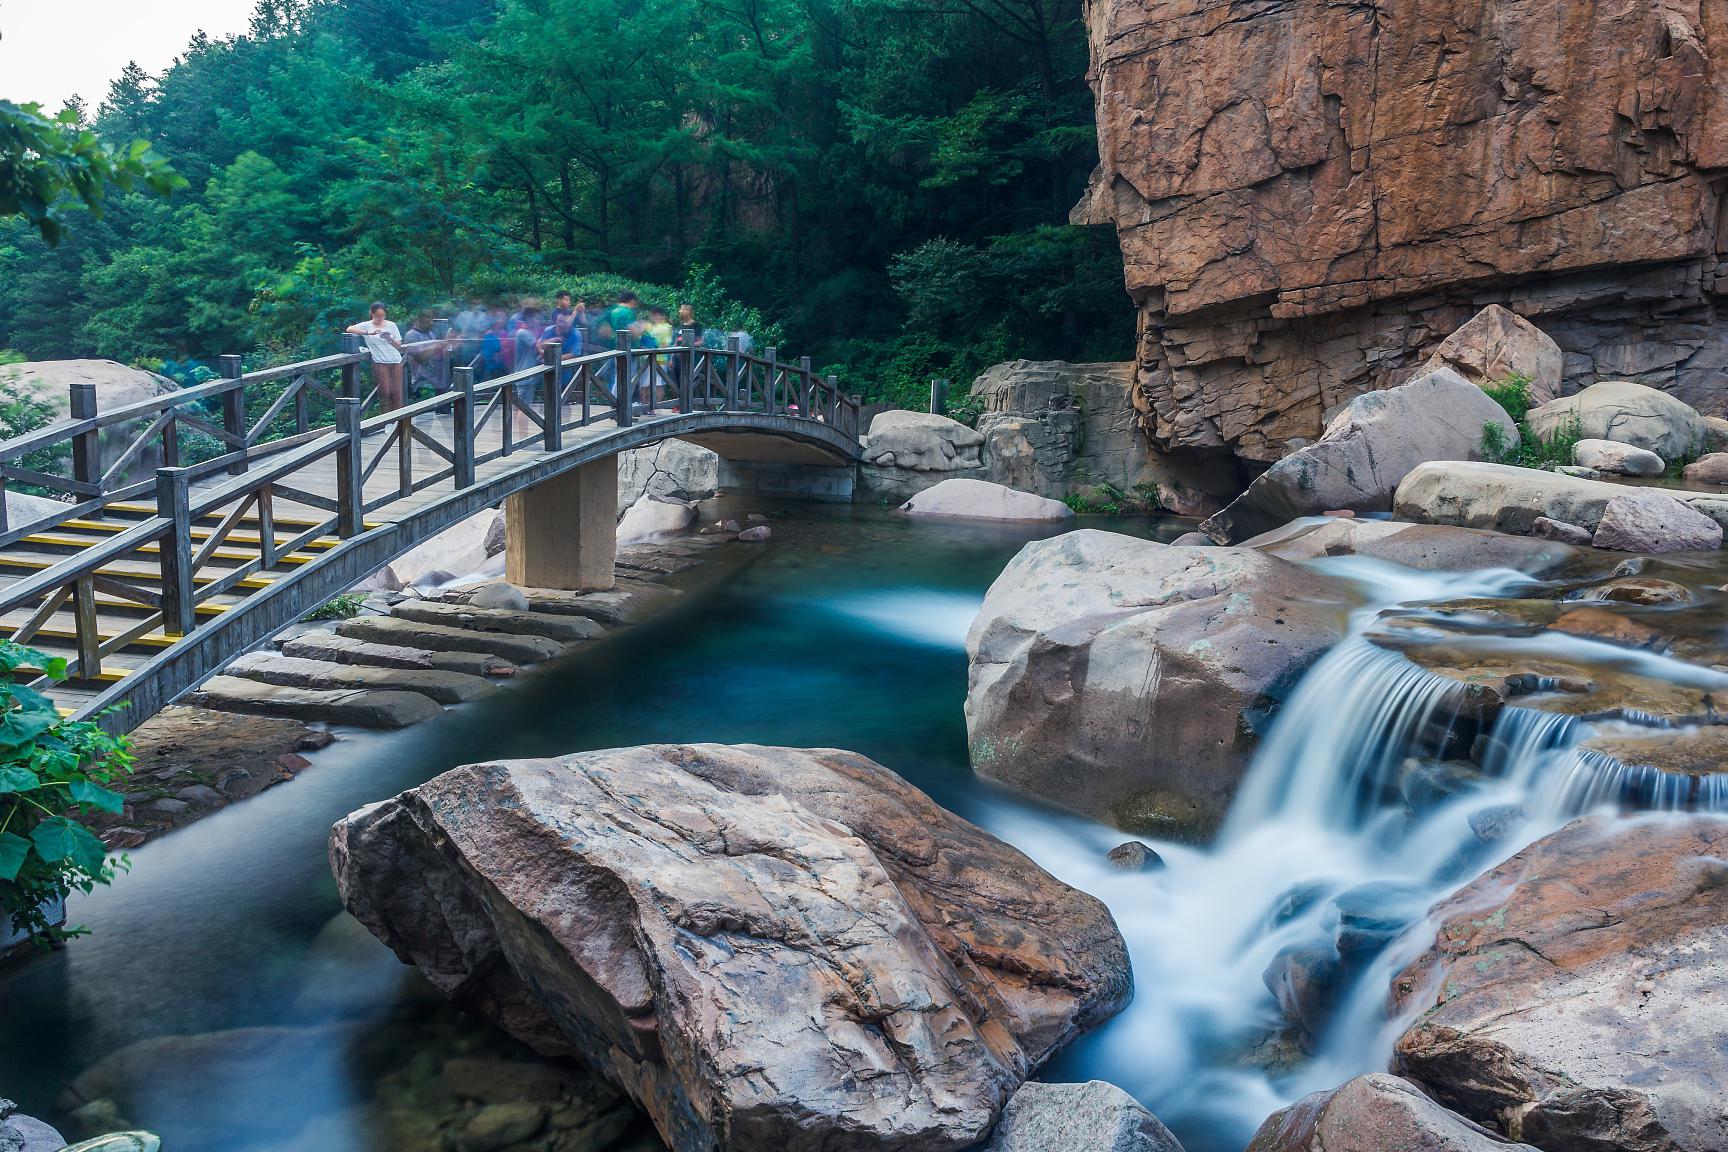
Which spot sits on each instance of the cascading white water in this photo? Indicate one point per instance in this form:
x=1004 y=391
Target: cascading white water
x=1320 y=850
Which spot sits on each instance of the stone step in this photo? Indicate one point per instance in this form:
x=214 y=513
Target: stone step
x=362 y=707
x=443 y=638
x=297 y=672
x=624 y=604
x=347 y=650
x=565 y=629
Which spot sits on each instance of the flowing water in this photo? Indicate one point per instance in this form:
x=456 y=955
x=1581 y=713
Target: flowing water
x=848 y=632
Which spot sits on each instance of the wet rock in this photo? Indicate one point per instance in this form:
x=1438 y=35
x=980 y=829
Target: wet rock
x=1126 y=679
x=624 y=603
x=507 y=621
x=907 y=452
x=1374 y=1113
x=167 y=806
x=1089 y=1117
x=981 y=500
x=1698 y=754
x=96 y=1118
x=22 y=1133
x=364 y=708
x=1428 y=547
x=655 y=518
x=499 y=595
x=459 y=550
x=1427 y=784
x=1305 y=980
x=500 y=1125
x=1715 y=434
x=757 y=518
x=1135 y=857
x=755 y=535
x=1620 y=459
x=1193 y=540
x=119 y=1142
x=1496 y=344
x=1638 y=590
x=1365 y=452
x=1611 y=627
x=491 y=1080
x=1494 y=823
x=740 y=877
x=1651 y=521
x=201 y=795
x=1371 y=915
x=1544 y=528
x=1571 y=997
x=1625 y=413
x=1711 y=469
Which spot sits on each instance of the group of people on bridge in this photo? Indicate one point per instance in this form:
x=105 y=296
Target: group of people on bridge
x=495 y=341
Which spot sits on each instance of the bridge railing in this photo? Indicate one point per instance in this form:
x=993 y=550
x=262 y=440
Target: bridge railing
x=166 y=574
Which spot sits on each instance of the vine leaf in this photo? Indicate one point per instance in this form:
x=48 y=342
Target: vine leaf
x=91 y=793
x=59 y=838
x=21 y=727
x=17 y=778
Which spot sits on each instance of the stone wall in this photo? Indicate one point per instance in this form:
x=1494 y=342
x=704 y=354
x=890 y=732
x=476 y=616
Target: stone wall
x=1310 y=196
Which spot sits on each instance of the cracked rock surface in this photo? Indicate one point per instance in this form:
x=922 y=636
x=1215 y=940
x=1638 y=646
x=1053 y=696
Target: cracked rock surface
x=1573 y=995
x=767 y=948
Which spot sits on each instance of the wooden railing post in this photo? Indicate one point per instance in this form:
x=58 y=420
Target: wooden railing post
x=351 y=371
x=734 y=361
x=938 y=396
x=806 y=387
x=626 y=398
x=462 y=426
x=688 y=338
x=551 y=410
x=87 y=627
x=771 y=380
x=350 y=496
x=832 y=412
x=174 y=503
x=234 y=412
x=86 y=446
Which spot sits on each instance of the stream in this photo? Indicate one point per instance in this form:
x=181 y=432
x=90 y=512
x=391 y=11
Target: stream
x=847 y=631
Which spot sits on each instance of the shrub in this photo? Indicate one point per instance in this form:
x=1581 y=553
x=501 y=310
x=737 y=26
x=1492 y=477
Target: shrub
x=50 y=770
x=342 y=606
x=1528 y=450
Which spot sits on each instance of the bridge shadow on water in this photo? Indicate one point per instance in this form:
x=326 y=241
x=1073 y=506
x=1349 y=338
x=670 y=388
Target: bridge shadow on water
x=846 y=631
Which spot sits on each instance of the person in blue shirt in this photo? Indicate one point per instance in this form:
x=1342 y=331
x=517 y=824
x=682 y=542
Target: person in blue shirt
x=567 y=334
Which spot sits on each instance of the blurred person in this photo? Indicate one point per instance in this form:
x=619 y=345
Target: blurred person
x=384 y=344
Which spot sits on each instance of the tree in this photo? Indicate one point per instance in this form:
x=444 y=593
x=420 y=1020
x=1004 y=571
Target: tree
x=45 y=161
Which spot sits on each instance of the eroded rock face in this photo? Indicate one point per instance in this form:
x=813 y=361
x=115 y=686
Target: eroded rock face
x=1310 y=197
x=1127 y=680
x=1367 y=450
x=674 y=469
x=907 y=452
x=1497 y=345
x=1572 y=997
x=767 y=948
x=1511 y=499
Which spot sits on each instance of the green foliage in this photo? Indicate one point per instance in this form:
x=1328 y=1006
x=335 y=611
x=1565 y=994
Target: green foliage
x=21 y=412
x=51 y=772
x=46 y=161
x=1109 y=500
x=882 y=186
x=1529 y=450
x=342 y=606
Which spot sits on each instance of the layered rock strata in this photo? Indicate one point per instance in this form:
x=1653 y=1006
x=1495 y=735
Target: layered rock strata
x=1310 y=197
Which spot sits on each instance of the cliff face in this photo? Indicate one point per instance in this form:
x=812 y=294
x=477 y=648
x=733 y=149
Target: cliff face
x=1311 y=195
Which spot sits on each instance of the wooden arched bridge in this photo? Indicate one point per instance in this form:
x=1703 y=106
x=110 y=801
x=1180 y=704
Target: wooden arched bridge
x=147 y=585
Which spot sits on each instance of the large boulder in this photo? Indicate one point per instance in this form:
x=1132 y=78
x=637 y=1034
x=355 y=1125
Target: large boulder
x=671 y=469
x=1374 y=1113
x=1620 y=459
x=1711 y=469
x=1428 y=547
x=23 y=1133
x=1573 y=995
x=1090 y=1117
x=1367 y=449
x=47 y=383
x=655 y=518
x=1498 y=344
x=1127 y=679
x=1647 y=520
x=1626 y=413
x=1057 y=428
x=1310 y=197
x=460 y=550
x=907 y=452
x=1511 y=499
x=982 y=500
x=767 y=948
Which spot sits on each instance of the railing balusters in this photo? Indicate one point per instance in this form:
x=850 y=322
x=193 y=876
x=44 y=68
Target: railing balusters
x=462 y=424
x=234 y=412
x=350 y=498
x=405 y=456
x=267 y=526
x=86 y=446
x=173 y=503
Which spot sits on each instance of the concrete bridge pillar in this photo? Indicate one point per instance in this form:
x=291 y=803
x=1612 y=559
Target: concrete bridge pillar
x=563 y=532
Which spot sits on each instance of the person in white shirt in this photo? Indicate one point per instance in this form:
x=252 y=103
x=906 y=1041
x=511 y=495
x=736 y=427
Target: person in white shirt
x=384 y=342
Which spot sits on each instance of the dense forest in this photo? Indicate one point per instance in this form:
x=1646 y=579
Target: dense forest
x=883 y=184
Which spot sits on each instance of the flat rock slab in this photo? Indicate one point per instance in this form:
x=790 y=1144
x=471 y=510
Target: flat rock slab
x=298 y=672
x=347 y=650
x=564 y=629
x=444 y=638
x=362 y=707
x=626 y=603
